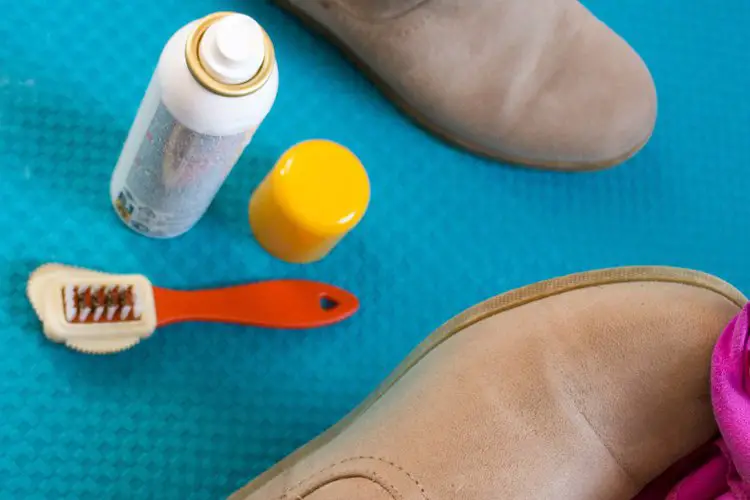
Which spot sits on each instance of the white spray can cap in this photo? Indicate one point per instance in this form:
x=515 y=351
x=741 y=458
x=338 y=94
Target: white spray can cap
x=232 y=49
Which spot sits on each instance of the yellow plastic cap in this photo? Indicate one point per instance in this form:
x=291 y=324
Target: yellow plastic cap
x=316 y=193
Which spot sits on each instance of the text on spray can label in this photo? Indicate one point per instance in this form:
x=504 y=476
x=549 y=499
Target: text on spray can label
x=174 y=177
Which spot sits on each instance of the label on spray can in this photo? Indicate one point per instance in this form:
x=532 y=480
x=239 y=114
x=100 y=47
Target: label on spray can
x=175 y=173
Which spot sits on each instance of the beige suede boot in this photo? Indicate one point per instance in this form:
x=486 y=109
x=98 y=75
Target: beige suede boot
x=536 y=82
x=583 y=387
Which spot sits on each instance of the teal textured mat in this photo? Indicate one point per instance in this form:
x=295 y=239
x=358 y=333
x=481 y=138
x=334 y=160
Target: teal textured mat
x=197 y=411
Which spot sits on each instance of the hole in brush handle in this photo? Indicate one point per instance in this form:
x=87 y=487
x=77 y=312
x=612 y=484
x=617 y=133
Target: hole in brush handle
x=327 y=303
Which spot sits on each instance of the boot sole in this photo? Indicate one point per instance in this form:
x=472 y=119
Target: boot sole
x=491 y=307
x=435 y=129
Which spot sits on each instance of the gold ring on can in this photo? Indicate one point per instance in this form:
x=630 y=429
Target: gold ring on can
x=193 y=60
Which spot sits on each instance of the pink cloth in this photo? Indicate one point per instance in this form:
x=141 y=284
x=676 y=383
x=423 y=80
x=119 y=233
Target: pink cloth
x=721 y=470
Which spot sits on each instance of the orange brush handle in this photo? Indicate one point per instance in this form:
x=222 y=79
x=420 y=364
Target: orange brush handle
x=288 y=304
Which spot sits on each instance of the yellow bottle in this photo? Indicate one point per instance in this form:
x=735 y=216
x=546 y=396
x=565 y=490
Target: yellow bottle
x=316 y=193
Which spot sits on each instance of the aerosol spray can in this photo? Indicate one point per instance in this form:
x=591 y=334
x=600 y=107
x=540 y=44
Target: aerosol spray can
x=215 y=82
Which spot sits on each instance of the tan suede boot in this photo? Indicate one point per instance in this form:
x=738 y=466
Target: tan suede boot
x=536 y=82
x=583 y=387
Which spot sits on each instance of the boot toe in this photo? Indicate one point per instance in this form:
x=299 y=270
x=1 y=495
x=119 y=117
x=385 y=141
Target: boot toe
x=565 y=92
x=582 y=387
x=596 y=108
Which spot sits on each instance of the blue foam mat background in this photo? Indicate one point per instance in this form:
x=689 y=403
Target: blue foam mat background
x=197 y=411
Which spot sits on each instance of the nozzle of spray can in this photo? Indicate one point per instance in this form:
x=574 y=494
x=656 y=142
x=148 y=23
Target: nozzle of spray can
x=215 y=82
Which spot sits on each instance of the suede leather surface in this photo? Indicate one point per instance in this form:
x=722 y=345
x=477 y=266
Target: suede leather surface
x=589 y=394
x=541 y=81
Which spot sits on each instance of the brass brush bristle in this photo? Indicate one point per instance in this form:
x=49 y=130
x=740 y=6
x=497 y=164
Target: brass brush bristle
x=100 y=304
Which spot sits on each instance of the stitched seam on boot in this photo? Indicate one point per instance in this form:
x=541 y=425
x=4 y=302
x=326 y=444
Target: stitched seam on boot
x=342 y=4
x=373 y=477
